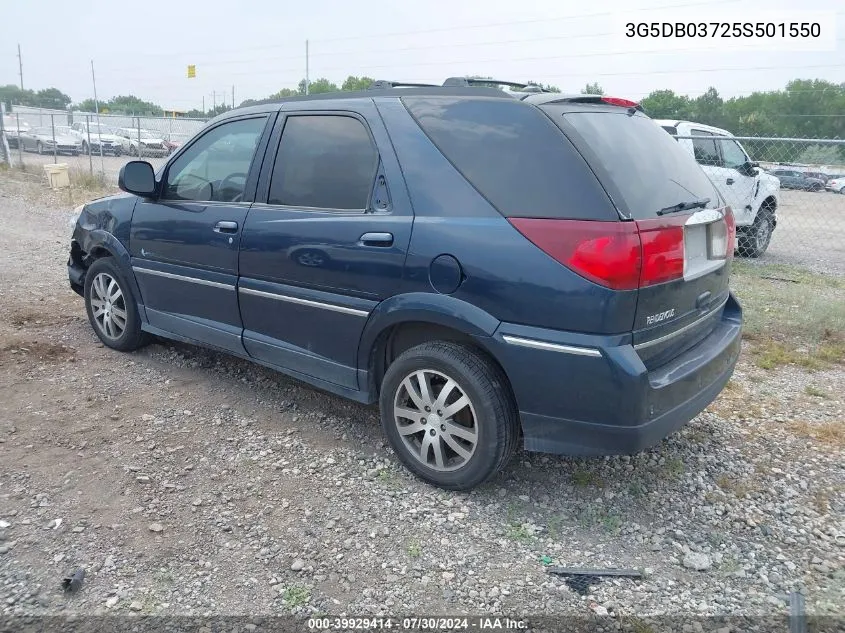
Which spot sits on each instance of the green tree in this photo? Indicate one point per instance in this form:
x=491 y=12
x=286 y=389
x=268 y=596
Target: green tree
x=592 y=89
x=318 y=86
x=665 y=104
x=52 y=98
x=353 y=83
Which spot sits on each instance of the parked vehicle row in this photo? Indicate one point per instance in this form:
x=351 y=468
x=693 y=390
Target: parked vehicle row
x=14 y=128
x=49 y=140
x=490 y=267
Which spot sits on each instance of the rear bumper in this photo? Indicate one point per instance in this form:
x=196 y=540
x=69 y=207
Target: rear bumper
x=610 y=403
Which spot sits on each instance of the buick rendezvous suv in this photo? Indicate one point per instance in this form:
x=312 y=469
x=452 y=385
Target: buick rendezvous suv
x=491 y=267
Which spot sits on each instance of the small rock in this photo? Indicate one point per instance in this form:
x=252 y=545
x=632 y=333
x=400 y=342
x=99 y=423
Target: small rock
x=142 y=479
x=447 y=576
x=297 y=565
x=698 y=562
x=4 y=549
x=147 y=417
x=136 y=605
x=156 y=527
x=598 y=609
x=112 y=601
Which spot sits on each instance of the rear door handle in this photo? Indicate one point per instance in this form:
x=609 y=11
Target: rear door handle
x=376 y=239
x=225 y=226
x=730 y=181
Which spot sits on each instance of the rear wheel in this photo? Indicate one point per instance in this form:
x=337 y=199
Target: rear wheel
x=111 y=307
x=448 y=413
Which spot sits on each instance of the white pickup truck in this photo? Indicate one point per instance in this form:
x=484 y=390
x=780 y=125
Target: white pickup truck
x=752 y=194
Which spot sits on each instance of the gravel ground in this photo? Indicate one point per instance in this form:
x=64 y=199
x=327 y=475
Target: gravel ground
x=188 y=482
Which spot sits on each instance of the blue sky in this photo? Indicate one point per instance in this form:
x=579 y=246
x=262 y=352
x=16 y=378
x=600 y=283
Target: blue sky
x=259 y=45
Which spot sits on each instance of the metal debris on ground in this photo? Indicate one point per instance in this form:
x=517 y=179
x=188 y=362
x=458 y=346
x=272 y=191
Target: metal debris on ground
x=579 y=579
x=71 y=584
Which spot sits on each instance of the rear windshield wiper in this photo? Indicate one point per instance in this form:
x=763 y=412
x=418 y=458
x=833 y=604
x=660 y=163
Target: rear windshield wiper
x=685 y=206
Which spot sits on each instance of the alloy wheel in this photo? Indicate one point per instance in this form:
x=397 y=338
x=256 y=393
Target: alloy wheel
x=108 y=306
x=436 y=420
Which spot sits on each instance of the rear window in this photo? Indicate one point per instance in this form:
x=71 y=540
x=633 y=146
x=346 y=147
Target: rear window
x=514 y=156
x=643 y=167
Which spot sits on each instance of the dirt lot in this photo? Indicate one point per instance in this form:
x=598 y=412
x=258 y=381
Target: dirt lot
x=187 y=482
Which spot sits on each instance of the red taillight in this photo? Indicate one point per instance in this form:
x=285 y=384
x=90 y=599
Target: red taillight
x=608 y=253
x=617 y=255
x=663 y=249
x=617 y=101
x=730 y=221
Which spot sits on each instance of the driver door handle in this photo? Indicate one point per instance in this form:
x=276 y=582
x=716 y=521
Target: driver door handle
x=225 y=226
x=376 y=239
x=729 y=181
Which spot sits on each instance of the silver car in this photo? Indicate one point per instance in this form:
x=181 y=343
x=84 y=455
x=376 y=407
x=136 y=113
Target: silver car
x=45 y=140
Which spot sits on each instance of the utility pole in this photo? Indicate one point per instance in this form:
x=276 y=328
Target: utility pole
x=307 y=77
x=203 y=106
x=20 y=65
x=214 y=100
x=97 y=111
x=233 y=96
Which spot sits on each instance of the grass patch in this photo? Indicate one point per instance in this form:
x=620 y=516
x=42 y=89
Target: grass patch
x=674 y=467
x=555 y=526
x=414 y=549
x=637 y=489
x=296 y=596
x=518 y=532
x=582 y=478
x=821 y=501
x=792 y=316
x=810 y=390
x=740 y=488
x=831 y=433
x=592 y=516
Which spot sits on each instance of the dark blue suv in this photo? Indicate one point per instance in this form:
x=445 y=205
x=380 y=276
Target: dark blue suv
x=486 y=265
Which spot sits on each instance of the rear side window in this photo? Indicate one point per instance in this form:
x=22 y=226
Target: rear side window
x=644 y=168
x=324 y=162
x=514 y=156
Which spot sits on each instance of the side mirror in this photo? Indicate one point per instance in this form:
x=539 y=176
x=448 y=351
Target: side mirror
x=138 y=177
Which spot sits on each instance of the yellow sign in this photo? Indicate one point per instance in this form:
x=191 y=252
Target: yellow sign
x=192 y=71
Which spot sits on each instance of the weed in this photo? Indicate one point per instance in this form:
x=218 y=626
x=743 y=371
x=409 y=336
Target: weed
x=810 y=390
x=738 y=487
x=414 y=549
x=821 y=501
x=674 y=467
x=518 y=532
x=729 y=565
x=582 y=478
x=555 y=526
x=637 y=489
x=611 y=522
x=296 y=596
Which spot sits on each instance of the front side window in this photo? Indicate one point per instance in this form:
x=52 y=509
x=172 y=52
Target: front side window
x=705 y=148
x=324 y=162
x=215 y=168
x=732 y=154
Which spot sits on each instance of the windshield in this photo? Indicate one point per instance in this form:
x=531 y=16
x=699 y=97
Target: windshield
x=649 y=168
x=101 y=129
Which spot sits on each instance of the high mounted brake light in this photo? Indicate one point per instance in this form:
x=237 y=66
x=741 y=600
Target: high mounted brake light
x=617 y=101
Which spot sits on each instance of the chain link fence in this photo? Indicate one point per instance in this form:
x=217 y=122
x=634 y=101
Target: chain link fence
x=92 y=145
x=786 y=194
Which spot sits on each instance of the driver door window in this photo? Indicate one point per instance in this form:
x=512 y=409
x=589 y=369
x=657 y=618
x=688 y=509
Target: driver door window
x=705 y=148
x=215 y=167
x=733 y=154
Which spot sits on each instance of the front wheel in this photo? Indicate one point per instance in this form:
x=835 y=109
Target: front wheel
x=756 y=241
x=111 y=307
x=448 y=413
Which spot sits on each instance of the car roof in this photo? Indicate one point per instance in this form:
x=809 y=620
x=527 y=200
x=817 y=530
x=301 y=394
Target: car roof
x=701 y=126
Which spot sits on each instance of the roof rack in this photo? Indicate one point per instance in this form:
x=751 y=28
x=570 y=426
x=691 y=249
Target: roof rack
x=380 y=84
x=479 y=81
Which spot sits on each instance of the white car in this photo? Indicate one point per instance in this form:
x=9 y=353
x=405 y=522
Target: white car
x=94 y=136
x=151 y=143
x=752 y=194
x=837 y=183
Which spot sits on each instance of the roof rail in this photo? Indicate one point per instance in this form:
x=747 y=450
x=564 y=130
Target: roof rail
x=380 y=84
x=479 y=81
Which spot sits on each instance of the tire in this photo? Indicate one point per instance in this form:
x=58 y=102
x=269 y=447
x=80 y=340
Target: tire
x=488 y=415
x=757 y=240
x=100 y=281
x=842 y=191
